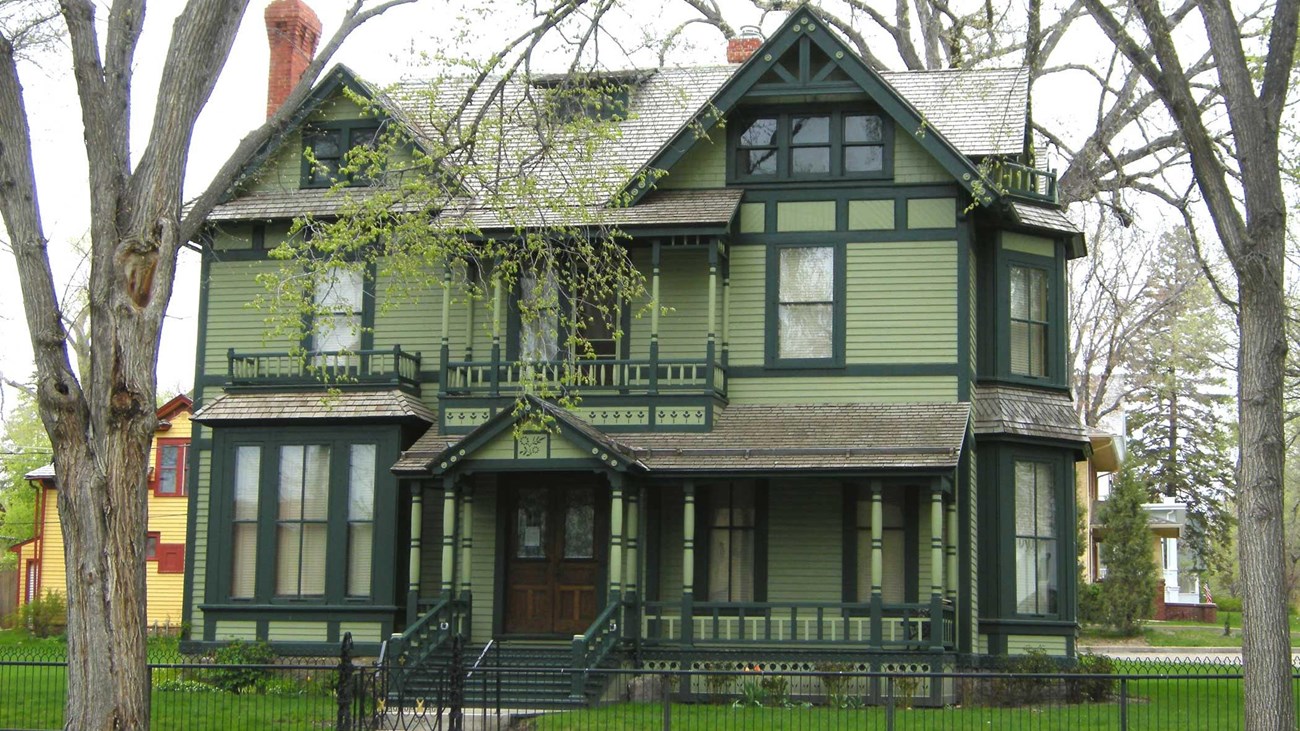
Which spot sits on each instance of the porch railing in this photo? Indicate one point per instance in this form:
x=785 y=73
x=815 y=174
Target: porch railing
x=1024 y=181
x=901 y=626
x=592 y=647
x=432 y=631
x=391 y=366
x=494 y=378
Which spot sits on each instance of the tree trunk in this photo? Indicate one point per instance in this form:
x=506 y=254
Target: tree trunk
x=1266 y=640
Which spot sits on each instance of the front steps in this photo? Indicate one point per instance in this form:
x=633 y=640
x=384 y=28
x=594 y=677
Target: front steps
x=534 y=675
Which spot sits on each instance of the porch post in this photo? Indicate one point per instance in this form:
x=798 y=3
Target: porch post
x=877 y=563
x=711 y=347
x=655 y=252
x=448 y=536
x=631 y=577
x=726 y=309
x=413 y=571
x=466 y=540
x=951 y=549
x=496 y=334
x=445 y=341
x=688 y=562
x=615 y=538
x=936 y=566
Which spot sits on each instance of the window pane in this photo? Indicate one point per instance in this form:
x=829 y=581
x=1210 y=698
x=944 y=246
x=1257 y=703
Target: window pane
x=288 y=545
x=1025 y=493
x=760 y=132
x=864 y=159
x=314 y=541
x=342 y=291
x=1020 y=348
x=863 y=128
x=530 y=524
x=1037 y=350
x=361 y=537
x=316 y=483
x=1026 y=576
x=759 y=162
x=1045 y=505
x=361 y=483
x=1037 y=294
x=1046 y=563
x=805 y=331
x=243 y=561
x=335 y=333
x=326 y=143
x=1020 y=293
x=579 y=524
x=809 y=160
x=291 y=457
x=248 y=465
x=810 y=130
x=539 y=327
x=807 y=274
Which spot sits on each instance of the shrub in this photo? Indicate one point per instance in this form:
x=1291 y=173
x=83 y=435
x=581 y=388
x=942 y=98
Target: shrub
x=45 y=616
x=777 y=689
x=1092 y=610
x=834 y=683
x=718 y=684
x=239 y=678
x=1228 y=603
x=1128 y=593
x=1092 y=689
x=1018 y=691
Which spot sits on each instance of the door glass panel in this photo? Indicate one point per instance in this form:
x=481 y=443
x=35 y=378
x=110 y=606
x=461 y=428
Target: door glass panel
x=579 y=523
x=530 y=524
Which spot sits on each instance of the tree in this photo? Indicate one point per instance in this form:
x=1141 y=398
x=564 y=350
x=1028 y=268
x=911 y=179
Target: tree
x=1241 y=187
x=23 y=448
x=1130 y=584
x=1183 y=444
x=100 y=425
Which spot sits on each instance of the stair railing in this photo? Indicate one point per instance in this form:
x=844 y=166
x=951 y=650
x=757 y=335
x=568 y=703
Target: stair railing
x=426 y=635
x=592 y=647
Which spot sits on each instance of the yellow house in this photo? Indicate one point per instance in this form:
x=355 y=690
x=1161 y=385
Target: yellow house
x=40 y=559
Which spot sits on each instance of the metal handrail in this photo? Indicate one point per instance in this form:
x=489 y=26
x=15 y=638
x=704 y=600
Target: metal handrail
x=481 y=655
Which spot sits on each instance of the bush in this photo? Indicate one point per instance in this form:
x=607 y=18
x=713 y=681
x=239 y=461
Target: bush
x=1228 y=603
x=239 y=678
x=1092 y=610
x=1092 y=689
x=45 y=616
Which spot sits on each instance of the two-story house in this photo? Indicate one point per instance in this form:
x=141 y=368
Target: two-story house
x=851 y=436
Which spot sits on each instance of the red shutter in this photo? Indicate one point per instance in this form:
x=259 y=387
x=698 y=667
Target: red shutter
x=171 y=558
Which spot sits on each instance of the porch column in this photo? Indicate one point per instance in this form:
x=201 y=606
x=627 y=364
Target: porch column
x=413 y=571
x=444 y=347
x=496 y=334
x=936 y=566
x=951 y=549
x=469 y=331
x=615 y=538
x=448 y=536
x=877 y=562
x=466 y=539
x=688 y=562
x=655 y=252
x=726 y=309
x=632 y=577
x=710 y=347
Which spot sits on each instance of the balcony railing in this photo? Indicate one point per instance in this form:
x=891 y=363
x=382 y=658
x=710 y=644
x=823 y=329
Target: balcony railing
x=1024 y=181
x=392 y=366
x=901 y=626
x=492 y=378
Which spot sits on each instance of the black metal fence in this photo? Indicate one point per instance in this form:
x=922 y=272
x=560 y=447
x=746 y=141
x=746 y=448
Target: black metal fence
x=480 y=692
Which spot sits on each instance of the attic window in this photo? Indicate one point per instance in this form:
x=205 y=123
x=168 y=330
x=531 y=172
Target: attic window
x=598 y=98
x=811 y=145
x=329 y=145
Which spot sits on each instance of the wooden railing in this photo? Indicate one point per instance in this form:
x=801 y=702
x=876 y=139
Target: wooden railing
x=901 y=626
x=494 y=378
x=592 y=647
x=1024 y=181
x=433 y=630
x=335 y=368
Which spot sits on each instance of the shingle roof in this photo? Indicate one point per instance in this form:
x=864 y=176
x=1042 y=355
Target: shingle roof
x=314 y=406
x=1048 y=217
x=41 y=473
x=980 y=111
x=1001 y=409
x=762 y=438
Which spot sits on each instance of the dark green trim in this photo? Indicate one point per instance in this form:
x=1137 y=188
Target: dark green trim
x=470 y=467
x=966 y=632
x=995 y=340
x=1026 y=626
x=762 y=496
x=770 y=53
x=785 y=145
x=499 y=564
x=192 y=506
x=965 y=368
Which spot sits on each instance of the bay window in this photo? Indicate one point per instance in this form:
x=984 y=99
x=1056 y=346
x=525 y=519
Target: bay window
x=1037 y=553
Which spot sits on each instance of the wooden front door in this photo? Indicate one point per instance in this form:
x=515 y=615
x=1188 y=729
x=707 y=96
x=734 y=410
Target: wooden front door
x=555 y=545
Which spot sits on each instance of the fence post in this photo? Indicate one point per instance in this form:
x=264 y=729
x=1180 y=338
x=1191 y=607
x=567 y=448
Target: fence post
x=456 y=678
x=665 y=685
x=889 y=703
x=1123 y=704
x=344 y=692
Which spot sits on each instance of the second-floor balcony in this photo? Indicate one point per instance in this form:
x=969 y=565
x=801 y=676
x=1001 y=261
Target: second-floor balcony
x=368 y=367
x=602 y=376
x=1023 y=181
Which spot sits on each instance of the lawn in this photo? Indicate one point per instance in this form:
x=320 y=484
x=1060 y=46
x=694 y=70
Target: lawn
x=1181 y=634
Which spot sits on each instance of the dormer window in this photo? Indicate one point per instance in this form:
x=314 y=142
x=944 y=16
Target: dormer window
x=329 y=145
x=811 y=146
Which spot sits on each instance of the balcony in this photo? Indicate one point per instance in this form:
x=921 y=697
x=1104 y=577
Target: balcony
x=392 y=367
x=1023 y=181
x=596 y=377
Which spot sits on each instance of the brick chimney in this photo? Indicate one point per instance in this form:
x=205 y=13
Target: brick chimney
x=741 y=47
x=292 y=29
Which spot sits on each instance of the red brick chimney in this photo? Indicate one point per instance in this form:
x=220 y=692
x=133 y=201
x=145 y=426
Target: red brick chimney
x=741 y=47
x=293 y=31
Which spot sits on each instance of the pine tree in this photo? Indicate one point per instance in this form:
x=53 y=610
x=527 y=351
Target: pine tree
x=1126 y=550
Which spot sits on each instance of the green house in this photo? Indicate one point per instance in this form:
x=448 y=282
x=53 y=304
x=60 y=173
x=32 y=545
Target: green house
x=846 y=436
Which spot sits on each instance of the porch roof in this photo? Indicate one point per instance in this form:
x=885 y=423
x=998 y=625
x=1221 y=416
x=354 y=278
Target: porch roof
x=313 y=405
x=763 y=438
x=1027 y=412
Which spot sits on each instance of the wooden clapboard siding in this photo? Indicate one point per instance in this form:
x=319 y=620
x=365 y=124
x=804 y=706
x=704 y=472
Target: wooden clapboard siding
x=431 y=545
x=901 y=302
x=408 y=312
x=705 y=166
x=297 y=631
x=842 y=389
x=1022 y=644
x=199 y=542
x=684 y=287
x=483 y=571
x=804 y=556
x=912 y=164
x=232 y=322
x=748 y=290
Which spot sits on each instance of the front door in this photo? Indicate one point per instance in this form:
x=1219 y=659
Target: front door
x=555 y=543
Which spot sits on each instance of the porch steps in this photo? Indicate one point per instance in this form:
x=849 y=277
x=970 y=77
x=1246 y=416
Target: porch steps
x=533 y=675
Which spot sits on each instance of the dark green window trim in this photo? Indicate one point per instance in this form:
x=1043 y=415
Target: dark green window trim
x=342 y=137
x=783 y=144
x=1061 y=465
x=772 y=342
x=1034 y=532
x=1056 y=372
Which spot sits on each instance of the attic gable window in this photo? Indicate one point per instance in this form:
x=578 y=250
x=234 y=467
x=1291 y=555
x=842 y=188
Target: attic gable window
x=329 y=144
x=811 y=145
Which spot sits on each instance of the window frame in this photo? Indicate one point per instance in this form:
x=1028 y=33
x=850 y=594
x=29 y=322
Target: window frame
x=704 y=495
x=365 y=319
x=564 y=313
x=1056 y=372
x=771 y=339
x=1030 y=324
x=785 y=144
x=1053 y=469
x=182 y=462
x=348 y=129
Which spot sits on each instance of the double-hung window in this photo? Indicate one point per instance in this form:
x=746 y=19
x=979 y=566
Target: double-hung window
x=302 y=529
x=243 y=558
x=169 y=475
x=1029 y=321
x=1037 y=554
x=811 y=146
x=329 y=145
x=339 y=301
x=732 y=522
x=805 y=315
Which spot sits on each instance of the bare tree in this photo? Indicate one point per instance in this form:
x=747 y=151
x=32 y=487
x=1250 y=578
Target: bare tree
x=100 y=425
